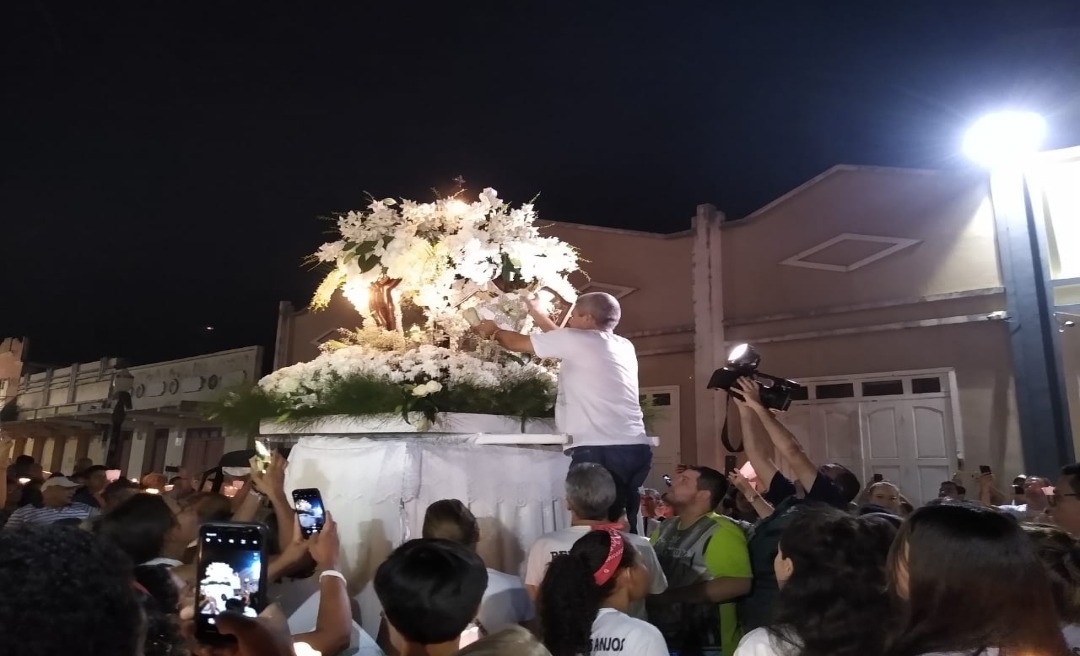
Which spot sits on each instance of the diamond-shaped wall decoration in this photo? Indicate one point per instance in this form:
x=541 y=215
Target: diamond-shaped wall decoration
x=848 y=252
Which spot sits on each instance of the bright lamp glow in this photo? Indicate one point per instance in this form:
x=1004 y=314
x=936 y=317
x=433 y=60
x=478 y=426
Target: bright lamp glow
x=1005 y=138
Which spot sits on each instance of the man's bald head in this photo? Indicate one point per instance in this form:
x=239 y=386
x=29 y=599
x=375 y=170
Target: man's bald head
x=603 y=308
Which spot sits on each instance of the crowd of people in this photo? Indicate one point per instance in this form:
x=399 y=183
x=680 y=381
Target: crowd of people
x=799 y=560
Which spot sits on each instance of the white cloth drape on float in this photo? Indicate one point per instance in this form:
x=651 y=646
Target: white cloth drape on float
x=377 y=489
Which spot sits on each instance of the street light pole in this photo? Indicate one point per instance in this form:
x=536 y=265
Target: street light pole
x=1006 y=143
x=1041 y=393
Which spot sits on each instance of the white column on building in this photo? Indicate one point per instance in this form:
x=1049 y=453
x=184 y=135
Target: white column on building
x=67 y=462
x=710 y=350
x=139 y=441
x=96 y=450
x=174 y=451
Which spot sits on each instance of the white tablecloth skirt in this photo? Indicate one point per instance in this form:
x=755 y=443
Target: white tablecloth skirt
x=377 y=489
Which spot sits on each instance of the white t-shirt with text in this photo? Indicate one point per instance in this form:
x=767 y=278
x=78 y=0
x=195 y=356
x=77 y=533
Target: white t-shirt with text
x=619 y=634
x=505 y=602
x=598 y=402
x=559 y=542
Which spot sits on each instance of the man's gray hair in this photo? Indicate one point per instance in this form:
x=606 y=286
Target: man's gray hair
x=590 y=491
x=603 y=308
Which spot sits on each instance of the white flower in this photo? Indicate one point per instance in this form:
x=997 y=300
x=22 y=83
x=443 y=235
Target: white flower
x=427 y=388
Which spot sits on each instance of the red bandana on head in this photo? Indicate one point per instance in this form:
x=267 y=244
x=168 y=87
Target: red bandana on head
x=614 y=557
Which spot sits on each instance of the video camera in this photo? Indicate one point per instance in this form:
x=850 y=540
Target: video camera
x=743 y=362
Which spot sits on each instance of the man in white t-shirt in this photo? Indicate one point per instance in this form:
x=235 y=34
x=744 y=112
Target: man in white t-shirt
x=590 y=491
x=598 y=403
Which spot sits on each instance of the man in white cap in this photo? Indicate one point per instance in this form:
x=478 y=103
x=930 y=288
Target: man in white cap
x=56 y=506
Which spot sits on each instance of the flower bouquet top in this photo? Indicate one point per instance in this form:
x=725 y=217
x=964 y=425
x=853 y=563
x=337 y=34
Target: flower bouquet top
x=444 y=257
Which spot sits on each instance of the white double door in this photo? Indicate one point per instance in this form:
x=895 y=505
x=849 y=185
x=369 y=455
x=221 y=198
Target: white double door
x=908 y=441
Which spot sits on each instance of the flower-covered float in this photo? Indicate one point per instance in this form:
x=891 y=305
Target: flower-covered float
x=415 y=271
x=411 y=406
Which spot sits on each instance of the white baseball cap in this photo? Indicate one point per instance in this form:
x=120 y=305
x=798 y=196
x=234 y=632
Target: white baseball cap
x=59 y=481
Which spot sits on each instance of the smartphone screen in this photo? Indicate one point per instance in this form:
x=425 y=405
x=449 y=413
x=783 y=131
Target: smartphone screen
x=231 y=574
x=984 y=469
x=730 y=464
x=309 y=509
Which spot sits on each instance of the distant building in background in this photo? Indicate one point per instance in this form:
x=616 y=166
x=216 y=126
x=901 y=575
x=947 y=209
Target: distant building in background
x=11 y=366
x=65 y=413
x=879 y=289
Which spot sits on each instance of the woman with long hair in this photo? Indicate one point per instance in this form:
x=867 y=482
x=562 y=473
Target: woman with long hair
x=968 y=581
x=585 y=595
x=1060 y=555
x=833 y=592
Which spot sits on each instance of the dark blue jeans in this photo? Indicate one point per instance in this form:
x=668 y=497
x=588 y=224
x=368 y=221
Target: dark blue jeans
x=629 y=465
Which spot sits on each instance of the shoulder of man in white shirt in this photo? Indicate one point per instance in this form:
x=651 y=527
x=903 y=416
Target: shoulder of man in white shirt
x=563 y=342
x=541 y=552
x=505 y=602
x=647 y=553
x=562 y=540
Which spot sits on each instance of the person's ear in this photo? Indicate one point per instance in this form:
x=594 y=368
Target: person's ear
x=786 y=569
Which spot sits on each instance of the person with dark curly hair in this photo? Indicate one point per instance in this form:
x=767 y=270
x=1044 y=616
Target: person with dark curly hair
x=968 y=581
x=1060 y=555
x=66 y=592
x=585 y=596
x=833 y=593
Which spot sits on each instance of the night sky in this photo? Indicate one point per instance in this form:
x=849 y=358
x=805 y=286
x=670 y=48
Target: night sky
x=163 y=165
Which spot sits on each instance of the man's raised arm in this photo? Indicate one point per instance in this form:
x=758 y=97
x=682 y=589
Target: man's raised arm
x=508 y=339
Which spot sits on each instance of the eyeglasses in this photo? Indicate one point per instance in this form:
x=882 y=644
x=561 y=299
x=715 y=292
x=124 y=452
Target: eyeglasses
x=1052 y=499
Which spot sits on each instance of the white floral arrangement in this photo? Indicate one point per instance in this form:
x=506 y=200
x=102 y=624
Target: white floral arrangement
x=421 y=381
x=447 y=256
x=421 y=371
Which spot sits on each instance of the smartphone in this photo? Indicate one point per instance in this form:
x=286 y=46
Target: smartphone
x=309 y=509
x=731 y=463
x=231 y=571
x=878 y=478
x=262 y=456
x=984 y=469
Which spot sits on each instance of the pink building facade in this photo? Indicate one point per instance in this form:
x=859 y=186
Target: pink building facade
x=879 y=289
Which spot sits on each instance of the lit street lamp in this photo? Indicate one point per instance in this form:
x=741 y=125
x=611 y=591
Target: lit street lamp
x=1006 y=143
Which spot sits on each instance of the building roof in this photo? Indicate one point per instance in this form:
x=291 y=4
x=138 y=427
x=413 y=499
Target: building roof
x=846 y=168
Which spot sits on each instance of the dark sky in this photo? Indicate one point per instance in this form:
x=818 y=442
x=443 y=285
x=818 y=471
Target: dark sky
x=163 y=165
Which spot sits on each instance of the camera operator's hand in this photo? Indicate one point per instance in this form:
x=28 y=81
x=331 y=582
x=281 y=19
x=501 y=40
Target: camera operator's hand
x=748 y=389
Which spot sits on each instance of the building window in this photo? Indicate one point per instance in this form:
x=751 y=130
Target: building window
x=926 y=385
x=883 y=388
x=800 y=394
x=835 y=391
